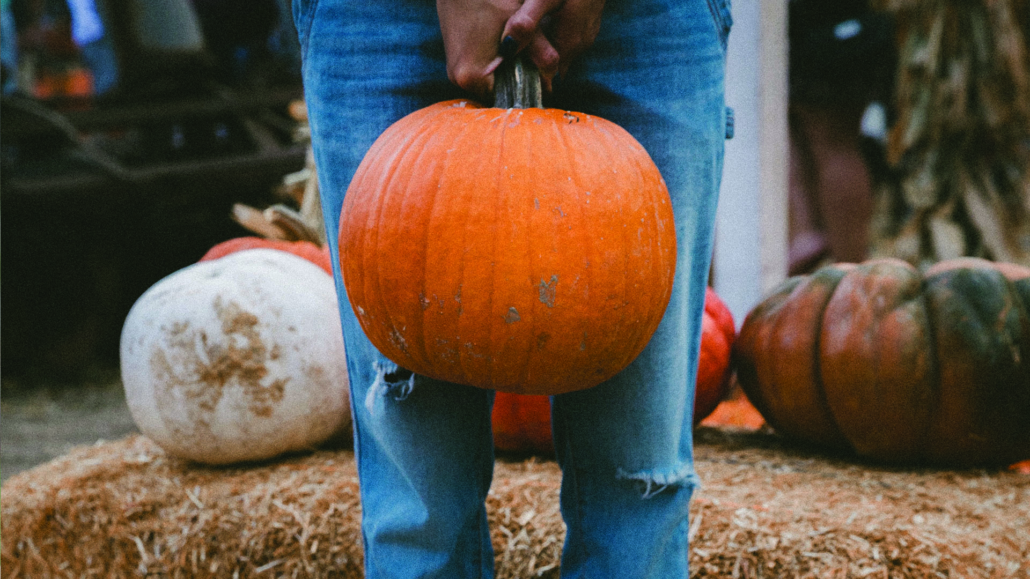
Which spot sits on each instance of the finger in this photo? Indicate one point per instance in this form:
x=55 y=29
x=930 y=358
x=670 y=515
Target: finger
x=569 y=48
x=543 y=54
x=470 y=29
x=474 y=79
x=525 y=22
x=573 y=29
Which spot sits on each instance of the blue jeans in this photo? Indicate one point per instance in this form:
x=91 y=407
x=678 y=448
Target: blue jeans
x=424 y=449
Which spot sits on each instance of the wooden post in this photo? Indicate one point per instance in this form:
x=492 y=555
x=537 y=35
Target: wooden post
x=751 y=225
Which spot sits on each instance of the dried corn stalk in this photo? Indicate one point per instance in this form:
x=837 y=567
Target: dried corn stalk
x=960 y=148
x=281 y=221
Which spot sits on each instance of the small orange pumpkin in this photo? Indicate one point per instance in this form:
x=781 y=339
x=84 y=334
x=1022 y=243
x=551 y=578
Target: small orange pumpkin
x=309 y=251
x=713 y=367
x=523 y=250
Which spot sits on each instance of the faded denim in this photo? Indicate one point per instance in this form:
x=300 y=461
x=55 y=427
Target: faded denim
x=424 y=450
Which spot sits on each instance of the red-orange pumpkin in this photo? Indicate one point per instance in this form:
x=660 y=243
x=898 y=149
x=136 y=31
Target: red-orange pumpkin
x=522 y=423
x=894 y=364
x=309 y=251
x=713 y=369
x=522 y=250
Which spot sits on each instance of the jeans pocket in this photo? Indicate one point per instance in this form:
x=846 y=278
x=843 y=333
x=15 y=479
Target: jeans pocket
x=721 y=15
x=303 y=15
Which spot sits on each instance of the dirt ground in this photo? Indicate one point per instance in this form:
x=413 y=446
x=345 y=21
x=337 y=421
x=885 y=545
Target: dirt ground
x=41 y=422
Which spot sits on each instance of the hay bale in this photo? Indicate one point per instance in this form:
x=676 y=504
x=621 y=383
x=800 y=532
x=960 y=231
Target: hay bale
x=772 y=509
x=126 y=509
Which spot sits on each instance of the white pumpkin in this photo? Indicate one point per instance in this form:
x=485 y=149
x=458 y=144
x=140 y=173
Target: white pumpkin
x=237 y=359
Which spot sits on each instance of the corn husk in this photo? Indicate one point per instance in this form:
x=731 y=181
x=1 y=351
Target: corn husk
x=960 y=147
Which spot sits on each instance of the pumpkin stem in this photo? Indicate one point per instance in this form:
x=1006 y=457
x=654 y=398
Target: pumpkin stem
x=517 y=85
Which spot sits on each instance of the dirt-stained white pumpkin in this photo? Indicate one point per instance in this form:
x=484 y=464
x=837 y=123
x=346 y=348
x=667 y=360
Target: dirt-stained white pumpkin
x=237 y=359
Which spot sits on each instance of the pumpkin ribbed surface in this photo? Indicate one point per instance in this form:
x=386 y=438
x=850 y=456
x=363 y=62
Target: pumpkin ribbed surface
x=894 y=364
x=524 y=250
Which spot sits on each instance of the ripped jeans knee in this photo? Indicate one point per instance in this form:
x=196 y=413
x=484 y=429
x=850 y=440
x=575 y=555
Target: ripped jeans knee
x=653 y=482
x=390 y=381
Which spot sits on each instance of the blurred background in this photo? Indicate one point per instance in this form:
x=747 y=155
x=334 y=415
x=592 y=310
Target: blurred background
x=129 y=128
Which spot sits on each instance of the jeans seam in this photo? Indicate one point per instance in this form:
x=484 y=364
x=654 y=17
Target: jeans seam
x=570 y=471
x=304 y=27
x=722 y=28
x=358 y=463
x=484 y=450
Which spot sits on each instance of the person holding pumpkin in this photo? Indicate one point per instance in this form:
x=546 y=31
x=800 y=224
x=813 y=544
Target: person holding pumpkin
x=424 y=450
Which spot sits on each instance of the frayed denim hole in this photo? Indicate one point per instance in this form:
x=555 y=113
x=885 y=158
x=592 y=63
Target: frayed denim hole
x=399 y=383
x=391 y=380
x=648 y=488
x=650 y=484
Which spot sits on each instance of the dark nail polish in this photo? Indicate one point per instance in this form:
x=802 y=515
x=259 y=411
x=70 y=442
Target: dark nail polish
x=509 y=46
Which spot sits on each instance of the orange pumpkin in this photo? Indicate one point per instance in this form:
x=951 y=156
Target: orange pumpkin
x=522 y=423
x=522 y=250
x=896 y=364
x=735 y=412
x=713 y=368
x=309 y=251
